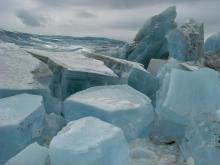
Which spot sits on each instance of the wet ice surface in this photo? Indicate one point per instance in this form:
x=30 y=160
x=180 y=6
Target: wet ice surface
x=145 y=152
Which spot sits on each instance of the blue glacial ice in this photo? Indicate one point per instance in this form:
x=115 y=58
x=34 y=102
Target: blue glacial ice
x=183 y=96
x=89 y=141
x=212 y=44
x=34 y=154
x=186 y=42
x=120 y=105
x=150 y=41
x=21 y=122
x=202 y=141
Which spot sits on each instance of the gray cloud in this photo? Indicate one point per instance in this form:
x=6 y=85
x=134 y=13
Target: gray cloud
x=112 y=3
x=85 y=14
x=30 y=19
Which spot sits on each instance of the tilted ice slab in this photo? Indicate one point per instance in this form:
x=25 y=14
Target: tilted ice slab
x=150 y=41
x=21 y=121
x=131 y=73
x=34 y=154
x=155 y=65
x=186 y=43
x=74 y=72
x=183 y=96
x=212 y=44
x=89 y=141
x=120 y=105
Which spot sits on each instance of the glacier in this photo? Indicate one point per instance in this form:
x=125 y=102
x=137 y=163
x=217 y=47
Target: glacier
x=120 y=105
x=21 y=122
x=89 y=141
x=33 y=154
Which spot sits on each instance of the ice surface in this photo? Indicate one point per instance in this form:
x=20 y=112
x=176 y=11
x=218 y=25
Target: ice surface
x=212 y=44
x=16 y=68
x=184 y=95
x=89 y=141
x=21 y=121
x=150 y=41
x=34 y=154
x=186 y=43
x=120 y=105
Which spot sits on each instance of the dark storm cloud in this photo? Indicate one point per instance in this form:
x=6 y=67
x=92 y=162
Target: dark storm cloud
x=30 y=19
x=85 y=14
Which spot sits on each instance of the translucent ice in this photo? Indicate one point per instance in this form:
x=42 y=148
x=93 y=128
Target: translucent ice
x=89 y=141
x=150 y=41
x=212 y=44
x=21 y=122
x=184 y=95
x=186 y=43
x=120 y=105
x=34 y=154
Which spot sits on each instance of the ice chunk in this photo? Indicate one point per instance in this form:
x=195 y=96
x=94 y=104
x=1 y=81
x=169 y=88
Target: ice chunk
x=120 y=105
x=21 y=121
x=73 y=72
x=52 y=124
x=186 y=43
x=212 y=44
x=202 y=141
x=150 y=41
x=184 y=95
x=34 y=154
x=89 y=141
x=144 y=82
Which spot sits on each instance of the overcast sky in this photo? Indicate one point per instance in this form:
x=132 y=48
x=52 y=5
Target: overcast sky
x=119 y=19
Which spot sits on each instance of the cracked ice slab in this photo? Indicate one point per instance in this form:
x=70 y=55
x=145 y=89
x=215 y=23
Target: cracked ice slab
x=74 y=72
x=120 y=105
x=21 y=121
x=33 y=154
x=89 y=141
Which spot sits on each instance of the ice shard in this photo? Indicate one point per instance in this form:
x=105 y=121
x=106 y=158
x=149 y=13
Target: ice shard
x=212 y=44
x=150 y=41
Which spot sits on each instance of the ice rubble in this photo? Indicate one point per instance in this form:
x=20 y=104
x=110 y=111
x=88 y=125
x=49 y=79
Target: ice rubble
x=120 y=105
x=89 y=141
x=186 y=43
x=212 y=44
x=150 y=41
x=21 y=122
x=34 y=154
